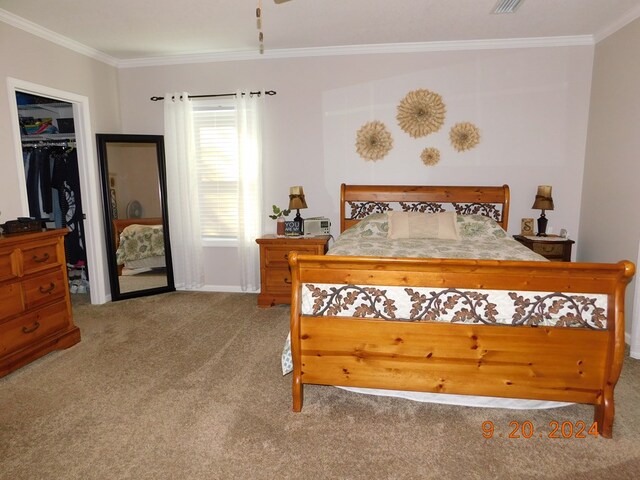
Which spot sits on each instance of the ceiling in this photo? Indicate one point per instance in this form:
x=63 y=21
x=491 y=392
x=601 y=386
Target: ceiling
x=139 y=29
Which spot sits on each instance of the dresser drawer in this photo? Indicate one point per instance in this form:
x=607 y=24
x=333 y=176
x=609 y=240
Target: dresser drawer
x=549 y=249
x=24 y=331
x=43 y=289
x=7 y=264
x=10 y=300
x=39 y=257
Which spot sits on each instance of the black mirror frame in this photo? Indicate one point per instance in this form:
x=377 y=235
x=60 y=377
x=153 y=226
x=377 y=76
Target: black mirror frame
x=102 y=140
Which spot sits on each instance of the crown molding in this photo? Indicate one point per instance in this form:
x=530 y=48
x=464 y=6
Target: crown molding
x=39 y=31
x=621 y=22
x=417 y=47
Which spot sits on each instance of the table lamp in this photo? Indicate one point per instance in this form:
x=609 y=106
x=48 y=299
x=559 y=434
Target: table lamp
x=543 y=202
x=297 y=201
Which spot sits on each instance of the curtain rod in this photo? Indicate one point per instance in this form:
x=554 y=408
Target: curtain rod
x=266 y=92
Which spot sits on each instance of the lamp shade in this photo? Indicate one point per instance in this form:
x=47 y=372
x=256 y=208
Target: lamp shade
x=543 y=200
x=297 y=201
x=296 y=198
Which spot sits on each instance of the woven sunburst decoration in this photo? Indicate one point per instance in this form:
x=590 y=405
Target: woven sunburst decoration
x=373 y=140
x=430 y=156
x=421 y=112
x=464 y=136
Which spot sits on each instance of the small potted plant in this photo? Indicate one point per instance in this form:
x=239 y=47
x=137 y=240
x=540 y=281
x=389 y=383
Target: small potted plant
x=279 y=215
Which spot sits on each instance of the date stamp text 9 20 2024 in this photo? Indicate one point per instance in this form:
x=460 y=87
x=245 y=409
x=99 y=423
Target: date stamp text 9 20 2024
x=527 y=429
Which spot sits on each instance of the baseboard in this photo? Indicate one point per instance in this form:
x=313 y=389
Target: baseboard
x=633 y=353
x=221 y=288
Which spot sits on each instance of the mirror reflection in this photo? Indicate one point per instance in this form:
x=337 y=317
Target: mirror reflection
x=135 y=214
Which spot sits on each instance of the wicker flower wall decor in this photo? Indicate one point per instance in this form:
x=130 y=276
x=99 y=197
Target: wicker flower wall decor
x=464 y=136
x=373 y=140
x=430 y=156
x=421 y=112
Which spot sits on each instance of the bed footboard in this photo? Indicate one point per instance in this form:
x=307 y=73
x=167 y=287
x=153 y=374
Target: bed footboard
x=563 y=340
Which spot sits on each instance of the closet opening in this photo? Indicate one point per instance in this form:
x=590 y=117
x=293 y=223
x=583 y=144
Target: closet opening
x=94 y=246
x=53 y=187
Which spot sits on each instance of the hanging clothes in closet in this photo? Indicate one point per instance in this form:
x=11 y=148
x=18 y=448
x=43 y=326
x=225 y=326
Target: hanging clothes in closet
x=53 y=190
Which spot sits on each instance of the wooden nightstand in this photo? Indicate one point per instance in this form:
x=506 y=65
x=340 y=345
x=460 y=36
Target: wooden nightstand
x=275 y=277
x=555 y=248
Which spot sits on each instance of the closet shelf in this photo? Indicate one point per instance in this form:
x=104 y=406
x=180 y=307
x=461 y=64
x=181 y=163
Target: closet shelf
x=48 y=136
x=45 y=106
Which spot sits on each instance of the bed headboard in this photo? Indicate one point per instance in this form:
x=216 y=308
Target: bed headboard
x=358 y=201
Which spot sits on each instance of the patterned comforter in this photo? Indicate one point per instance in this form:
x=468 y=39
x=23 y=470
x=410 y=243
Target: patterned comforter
x=480 y=238
x=138 y=242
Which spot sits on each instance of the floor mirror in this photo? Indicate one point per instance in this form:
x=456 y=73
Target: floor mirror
x=135 y=210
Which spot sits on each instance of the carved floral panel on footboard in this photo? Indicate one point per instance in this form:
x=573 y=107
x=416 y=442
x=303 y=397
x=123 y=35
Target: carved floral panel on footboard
x=489 y=307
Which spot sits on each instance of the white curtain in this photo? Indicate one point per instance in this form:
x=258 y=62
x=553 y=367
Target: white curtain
x=248 y=111
x=182 y=194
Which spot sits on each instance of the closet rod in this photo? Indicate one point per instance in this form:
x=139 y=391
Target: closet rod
x=266 y=92
x=50 y=143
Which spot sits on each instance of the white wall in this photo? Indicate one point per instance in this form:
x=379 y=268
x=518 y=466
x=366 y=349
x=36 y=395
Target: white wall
x=28 y=58
x=610 y=224
x=134 y=170
x=531 y=106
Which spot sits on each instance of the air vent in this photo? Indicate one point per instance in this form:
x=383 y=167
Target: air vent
x=506 y=6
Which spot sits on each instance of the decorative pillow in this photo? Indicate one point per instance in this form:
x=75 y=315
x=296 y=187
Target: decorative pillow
x=423 y=225
x=374 y=225
x=479 y=227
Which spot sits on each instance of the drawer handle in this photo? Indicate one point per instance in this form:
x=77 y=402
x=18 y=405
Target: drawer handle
x=548 y=248
x=31 y=330
x=44 y=258
x=47 y=290
x=287 y=281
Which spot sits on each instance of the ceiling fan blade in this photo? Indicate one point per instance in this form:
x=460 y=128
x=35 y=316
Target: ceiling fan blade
x=278 y=2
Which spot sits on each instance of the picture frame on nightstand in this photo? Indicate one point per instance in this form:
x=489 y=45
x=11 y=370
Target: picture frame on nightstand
x=526 y=227
x=292 y=228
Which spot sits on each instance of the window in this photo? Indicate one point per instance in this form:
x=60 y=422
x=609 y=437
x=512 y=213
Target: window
x=216 y=149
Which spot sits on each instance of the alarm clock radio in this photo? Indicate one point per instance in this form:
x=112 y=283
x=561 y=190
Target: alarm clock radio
x=317 y=226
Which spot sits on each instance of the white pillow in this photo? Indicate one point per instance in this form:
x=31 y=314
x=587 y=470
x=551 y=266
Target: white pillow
x=443 y=225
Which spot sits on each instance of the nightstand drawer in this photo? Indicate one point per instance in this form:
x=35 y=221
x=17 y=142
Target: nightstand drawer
x=553 y=248
x=549 y=249
x=278 y=280
x=278 y=256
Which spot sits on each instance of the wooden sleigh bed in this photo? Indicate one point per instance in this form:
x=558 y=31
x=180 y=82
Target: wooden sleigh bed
x=119 y=226
x=562 y=340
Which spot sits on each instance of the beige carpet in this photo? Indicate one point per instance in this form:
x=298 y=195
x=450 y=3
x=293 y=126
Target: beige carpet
x=188 y=386
x=142 y=281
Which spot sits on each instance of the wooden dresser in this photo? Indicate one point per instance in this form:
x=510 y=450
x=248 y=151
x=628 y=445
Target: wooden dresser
x=35 y=308
x=275 y=277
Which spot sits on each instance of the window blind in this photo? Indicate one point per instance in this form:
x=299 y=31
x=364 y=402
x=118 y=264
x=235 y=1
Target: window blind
x=216 y=145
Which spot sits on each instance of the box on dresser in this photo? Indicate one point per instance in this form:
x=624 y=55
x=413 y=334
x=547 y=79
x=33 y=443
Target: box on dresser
x=35 y=317
x=22 y=225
